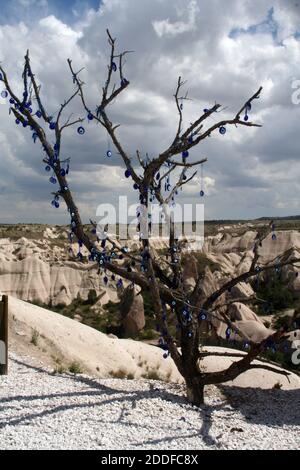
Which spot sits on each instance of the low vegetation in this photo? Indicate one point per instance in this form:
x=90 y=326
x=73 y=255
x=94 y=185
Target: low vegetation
x=274 y=290
x=35 y=337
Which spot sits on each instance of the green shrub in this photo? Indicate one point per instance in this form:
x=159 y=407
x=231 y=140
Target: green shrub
x=59 y=369
x=92 y=297
x=75 y=368
x=275 y=292
x=35 y=337
x=121 y=374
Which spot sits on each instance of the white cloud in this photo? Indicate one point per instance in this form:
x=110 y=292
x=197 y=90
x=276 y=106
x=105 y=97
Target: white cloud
x=167 y=28
x=243 y=175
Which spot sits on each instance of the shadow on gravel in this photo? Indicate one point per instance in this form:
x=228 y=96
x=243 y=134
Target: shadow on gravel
x=268 y=407
x=126 y=400
x=203 y=433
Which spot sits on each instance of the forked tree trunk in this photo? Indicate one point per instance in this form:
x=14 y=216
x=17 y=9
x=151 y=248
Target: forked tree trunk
x=195 y=390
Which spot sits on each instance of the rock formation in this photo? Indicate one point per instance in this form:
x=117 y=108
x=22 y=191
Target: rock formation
x=62 y=341
x=42 y=271
x=132 y=311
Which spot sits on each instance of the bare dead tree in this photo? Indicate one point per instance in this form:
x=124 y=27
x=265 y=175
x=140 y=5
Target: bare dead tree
x=161 y=277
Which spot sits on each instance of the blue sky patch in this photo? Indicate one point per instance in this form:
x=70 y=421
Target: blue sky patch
x=68 y=11
x=269 y=26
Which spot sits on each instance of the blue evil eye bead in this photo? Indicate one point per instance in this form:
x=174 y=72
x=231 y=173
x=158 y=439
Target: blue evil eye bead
x=62 y=172
x=81 y=130
x=48 y=168
x=1 y=77
x=201 y=193
x=124 y=82
x=157 y=176
x=52 y=126
x=248 y=107
x=222 y=130
x=38 y=114
x=246 y=117
x=120 y=283
x=228 y=333
x=56 y=204
x=185 y=154
x=205 y=110
x=165 y=355
x=4 y=94
x=12 y=101
x=17 y=121
x=114 y=66
x=274 y=236
x=105 y=280
x=25 y=124
x=90 y=117
x=203 y=316
x=34 y=137
x=127 y=174
x=181 y=106
x=108 y=153
x=135 y=186
x=53 y=180
x=190 y=139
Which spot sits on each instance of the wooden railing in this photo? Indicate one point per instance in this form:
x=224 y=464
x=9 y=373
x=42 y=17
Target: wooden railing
x=4 y=335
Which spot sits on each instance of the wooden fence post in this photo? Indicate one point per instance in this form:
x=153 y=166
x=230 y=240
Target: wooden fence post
x=4 y=335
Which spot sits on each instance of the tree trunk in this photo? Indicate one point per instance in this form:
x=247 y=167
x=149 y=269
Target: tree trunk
x=195 y=391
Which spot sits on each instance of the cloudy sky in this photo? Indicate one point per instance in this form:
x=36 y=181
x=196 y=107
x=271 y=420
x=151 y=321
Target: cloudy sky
x=225 y=51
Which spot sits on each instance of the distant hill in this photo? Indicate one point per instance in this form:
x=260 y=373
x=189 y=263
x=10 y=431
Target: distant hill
x=288 y=217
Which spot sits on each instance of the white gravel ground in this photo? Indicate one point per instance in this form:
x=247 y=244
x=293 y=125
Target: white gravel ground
x=39 y=410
